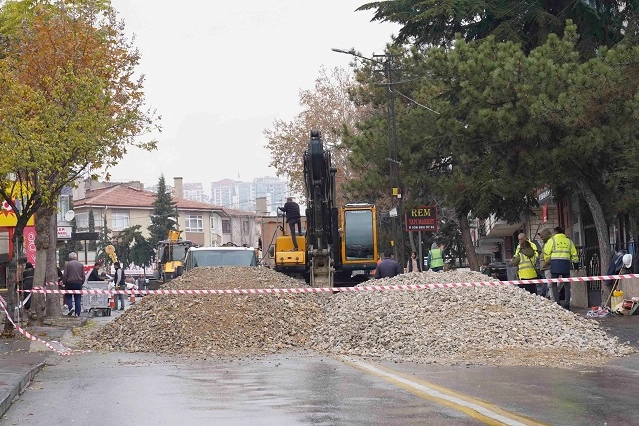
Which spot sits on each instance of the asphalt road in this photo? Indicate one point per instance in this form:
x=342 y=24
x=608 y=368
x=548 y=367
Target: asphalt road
x=304 y=389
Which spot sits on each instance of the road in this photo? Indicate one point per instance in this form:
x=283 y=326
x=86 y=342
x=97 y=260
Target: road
x=306 y=389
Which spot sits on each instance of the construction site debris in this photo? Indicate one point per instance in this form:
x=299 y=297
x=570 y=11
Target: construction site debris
x=500 y=325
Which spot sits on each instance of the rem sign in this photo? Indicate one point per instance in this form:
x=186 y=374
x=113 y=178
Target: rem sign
x=421 y=219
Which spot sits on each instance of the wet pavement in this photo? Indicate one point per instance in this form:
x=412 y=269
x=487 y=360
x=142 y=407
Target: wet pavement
x=21 y=358
x=552 y=395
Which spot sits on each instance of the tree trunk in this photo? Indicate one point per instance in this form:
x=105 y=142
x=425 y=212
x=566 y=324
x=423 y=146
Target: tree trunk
x=53 y=300
x=467 y=240
x=10 y=299
x=43 y=223
x=601 y=226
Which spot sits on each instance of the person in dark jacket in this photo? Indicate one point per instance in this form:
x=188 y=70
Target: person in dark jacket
x=293 y=217
x=27 y=283
x=94 y=275
x=413 y=263
x=73 y=279
x=120 y=284
x=388 y=267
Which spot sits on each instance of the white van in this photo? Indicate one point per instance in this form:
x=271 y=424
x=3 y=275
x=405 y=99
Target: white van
x=220 y=256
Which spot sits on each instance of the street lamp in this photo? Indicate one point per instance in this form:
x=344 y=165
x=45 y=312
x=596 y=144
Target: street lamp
x=392 y=144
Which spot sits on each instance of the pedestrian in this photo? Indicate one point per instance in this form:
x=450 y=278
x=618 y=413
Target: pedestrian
x=561 y=255
x=388 y=267
x=119 y=281
x=486 y=269
x=73 y=279
x=141 y=283
x=293 y=217
x=94 y=274
x=544 y=268
x=436 y=257
x=413 y=263
x=27 y=283
x=525 y=261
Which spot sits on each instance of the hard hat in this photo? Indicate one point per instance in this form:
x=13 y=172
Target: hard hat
x=627 y=260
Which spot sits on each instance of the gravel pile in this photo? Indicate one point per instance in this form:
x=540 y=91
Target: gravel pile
x=500 y=325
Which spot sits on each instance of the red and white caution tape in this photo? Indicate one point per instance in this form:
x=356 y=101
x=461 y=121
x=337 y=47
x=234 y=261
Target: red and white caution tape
x=62 y=350
x=341 y=289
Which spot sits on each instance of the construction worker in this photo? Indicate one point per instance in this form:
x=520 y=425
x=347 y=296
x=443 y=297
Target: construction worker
x=560 y=254
x=436 y=257
x=521 y=238
x=525 y=260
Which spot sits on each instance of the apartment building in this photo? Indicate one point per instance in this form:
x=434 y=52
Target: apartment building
x=121 y=206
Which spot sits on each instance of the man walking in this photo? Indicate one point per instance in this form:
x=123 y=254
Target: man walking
x=293 y=217
x=73 y=279
x=388 y=267
x=561 y=254
x=120 y=284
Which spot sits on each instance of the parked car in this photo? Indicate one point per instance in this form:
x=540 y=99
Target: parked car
x=220 y=256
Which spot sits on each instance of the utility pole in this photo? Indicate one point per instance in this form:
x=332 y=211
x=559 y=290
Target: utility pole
x=397 y=232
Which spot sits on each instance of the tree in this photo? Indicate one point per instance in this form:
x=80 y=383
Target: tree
x=92 y=244
x=546 y=117
x=69 y=106
x=327 y=108
x=103 y=242
x=528 y=22
x=163 y=208
x=142 y=251
x=124 y=244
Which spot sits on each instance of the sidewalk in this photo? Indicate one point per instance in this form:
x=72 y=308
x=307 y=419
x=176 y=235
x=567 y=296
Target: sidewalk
x=21 y=358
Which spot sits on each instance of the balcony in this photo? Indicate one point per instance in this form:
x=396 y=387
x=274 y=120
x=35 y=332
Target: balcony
x=495 y=228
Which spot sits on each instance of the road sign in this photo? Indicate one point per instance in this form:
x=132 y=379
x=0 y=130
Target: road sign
x=81 y=236
x=64 y=232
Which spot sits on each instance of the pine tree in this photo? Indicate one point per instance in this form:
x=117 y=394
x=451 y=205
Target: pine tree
x=163 y=208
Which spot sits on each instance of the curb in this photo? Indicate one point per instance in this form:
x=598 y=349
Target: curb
x=18 y=382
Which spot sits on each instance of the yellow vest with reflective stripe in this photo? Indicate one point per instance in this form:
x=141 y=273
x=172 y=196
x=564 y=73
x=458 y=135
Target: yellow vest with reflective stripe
x=526 y=265
x=436 y=258
x=560 y=247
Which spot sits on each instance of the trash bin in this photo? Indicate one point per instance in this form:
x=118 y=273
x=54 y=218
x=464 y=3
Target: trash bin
x=96 y=304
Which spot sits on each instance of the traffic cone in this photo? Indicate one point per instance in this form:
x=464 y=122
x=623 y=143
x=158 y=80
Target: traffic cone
x=132 y=297
x=111 y=303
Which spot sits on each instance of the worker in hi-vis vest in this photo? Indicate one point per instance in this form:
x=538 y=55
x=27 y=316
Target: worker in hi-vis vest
x=436 y=257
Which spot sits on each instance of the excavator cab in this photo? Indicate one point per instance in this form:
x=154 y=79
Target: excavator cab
x=170 y=257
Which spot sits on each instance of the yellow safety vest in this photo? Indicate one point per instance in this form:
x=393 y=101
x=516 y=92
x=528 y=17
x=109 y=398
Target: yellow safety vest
x=436 y=258
x=526 y=265
x=560 y=247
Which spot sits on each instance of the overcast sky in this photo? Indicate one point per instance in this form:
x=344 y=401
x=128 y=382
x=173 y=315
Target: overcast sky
x=219 y=73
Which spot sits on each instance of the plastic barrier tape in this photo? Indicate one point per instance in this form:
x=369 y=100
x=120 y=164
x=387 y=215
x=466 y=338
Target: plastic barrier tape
x=341 y=289
x=62 y=350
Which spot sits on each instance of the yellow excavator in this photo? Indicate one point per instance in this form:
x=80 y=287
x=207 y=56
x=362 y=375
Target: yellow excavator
x=170 y=256
x=339 y=247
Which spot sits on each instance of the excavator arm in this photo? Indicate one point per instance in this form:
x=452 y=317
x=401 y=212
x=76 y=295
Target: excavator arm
x=322 y=236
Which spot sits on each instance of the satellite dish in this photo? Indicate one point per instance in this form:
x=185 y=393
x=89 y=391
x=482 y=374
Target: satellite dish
x=69 y=215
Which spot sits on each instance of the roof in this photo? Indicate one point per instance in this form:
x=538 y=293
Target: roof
x=124 y=196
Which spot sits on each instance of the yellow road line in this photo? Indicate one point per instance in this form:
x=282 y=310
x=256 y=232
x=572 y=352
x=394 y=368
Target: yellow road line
x=487 y=413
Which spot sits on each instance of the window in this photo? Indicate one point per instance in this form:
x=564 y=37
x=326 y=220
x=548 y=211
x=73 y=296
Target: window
x=215 y=223
x=226 y=226
x=119 y=221
x=82 y=220
x=358 y=234
x=194 y=223
x=63 y=207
